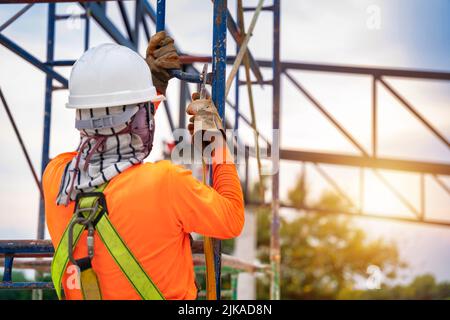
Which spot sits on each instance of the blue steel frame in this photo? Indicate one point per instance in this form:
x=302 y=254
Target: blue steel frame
x=23 y=248
x=219 y=65
x=98 y=13
x=47 y=110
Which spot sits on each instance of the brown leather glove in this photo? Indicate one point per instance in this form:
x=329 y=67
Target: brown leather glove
x=160 y=56
x=204 y=118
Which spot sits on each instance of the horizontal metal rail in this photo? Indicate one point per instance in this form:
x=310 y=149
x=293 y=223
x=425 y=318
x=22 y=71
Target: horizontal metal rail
x=335 y=68
x=28 y=248
x=357 y=214
x=367 y=162
x=12 y=250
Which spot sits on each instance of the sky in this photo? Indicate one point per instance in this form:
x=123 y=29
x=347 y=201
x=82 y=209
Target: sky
x=411 y=34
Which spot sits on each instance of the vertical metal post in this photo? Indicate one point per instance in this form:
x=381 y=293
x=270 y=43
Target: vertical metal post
x=219 y=55
x=160 y=26
x=218 y=92
x=87 y=26
x=275 y=227
x=183 y=99
x=422 y=197
x=236 y=92
x=160 y=15
x=361 y=190
x=137 y=21
x=38 y=294
x=7 y=270
x=374 y=117
x=247 y=177
x=303 y=183
x=234 y=284
x=47 y=111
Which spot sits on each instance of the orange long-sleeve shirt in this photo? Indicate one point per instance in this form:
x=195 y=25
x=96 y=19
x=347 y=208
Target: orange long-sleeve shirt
x=154 y=207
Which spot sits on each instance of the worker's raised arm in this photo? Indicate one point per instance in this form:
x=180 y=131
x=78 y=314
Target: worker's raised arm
x=215 y=212
x=218 y=211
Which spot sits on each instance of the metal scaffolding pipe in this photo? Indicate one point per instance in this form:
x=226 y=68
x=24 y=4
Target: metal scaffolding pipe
x=275 y=225
x=22 y=144
x=219 y=54
x=367 y=162
x=47 y=112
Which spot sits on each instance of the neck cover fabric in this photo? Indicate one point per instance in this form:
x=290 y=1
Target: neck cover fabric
x=105 y=153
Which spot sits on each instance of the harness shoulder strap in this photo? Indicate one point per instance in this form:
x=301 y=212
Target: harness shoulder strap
x=118 y=249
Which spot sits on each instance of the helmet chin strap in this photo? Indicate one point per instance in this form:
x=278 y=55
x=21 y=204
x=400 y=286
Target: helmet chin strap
x=103 y=122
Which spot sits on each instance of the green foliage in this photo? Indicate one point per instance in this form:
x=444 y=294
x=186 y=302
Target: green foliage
x=321 y=254
x=19 y=276
x=423 y=287
x=227 y=246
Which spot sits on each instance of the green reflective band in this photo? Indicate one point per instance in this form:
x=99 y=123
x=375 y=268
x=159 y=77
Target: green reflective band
x=61 y=257
x=129 y=265
x=124 y=258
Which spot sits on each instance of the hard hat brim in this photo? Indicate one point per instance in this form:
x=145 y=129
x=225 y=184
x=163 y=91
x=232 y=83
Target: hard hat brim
x=113 y=99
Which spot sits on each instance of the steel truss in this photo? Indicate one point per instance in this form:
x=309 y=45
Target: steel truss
x=144 y=13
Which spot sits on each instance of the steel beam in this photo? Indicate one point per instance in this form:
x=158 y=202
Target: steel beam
x=326 y=114
x=15 y=17
x=9 y=44
x=414 y=112
x=22 y=144
x=333 y=68
x=126 y=20
x=138 y=15
x=367 y=162
x=377 y=72
x=371 y=215
x=100 y=17
x=234 y=31
x=30 y=248
x=45 y=158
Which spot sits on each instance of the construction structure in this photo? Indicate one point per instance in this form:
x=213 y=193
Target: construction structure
x=145 y=15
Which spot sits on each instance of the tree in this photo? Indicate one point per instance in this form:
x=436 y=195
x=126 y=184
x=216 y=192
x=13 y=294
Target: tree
x=25 y=294
x=321 y=255
x=422 y=287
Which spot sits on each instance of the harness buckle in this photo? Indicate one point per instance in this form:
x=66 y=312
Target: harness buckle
x=88 y=223
x=72 y=224
x=90 y=241
x=92 y=211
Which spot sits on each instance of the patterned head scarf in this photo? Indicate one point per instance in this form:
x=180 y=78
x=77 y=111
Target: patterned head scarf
x=104 y=153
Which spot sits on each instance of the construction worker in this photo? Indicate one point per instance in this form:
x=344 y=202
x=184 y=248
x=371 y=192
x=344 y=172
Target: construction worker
x=153 y=206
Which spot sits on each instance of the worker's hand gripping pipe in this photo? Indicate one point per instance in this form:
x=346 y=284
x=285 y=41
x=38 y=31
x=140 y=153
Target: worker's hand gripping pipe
x=208 y=245
x=160 y=26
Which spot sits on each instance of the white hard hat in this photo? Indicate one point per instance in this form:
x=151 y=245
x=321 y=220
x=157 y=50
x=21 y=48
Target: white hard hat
x=110 y=75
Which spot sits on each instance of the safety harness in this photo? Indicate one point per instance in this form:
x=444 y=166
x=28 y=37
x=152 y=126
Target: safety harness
x=91 y=214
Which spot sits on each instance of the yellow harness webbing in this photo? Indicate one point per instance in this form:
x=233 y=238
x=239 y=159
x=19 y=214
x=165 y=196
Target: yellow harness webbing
x=91 y=208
